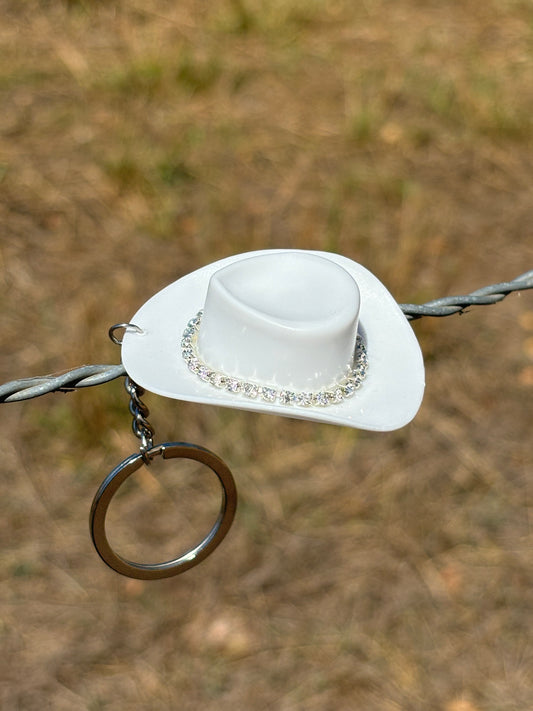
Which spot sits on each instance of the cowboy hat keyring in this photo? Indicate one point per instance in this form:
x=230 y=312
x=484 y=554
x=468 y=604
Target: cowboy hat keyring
x=286 y=321
x=303 y=334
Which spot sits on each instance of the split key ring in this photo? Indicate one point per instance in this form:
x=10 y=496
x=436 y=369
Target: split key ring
x=113 y=481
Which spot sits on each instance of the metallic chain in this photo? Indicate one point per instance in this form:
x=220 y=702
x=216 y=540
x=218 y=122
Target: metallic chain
x=87 y=375
x=140 y=425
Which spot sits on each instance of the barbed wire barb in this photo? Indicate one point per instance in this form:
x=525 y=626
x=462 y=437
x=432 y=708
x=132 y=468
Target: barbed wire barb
x=88 y=375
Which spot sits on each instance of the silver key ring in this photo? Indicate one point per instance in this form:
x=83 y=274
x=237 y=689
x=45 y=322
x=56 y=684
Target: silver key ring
x=111 y=484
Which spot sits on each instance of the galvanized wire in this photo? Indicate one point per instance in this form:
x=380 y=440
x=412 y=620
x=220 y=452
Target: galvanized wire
x=82 y=377
x=88 y=375
x=458 y=304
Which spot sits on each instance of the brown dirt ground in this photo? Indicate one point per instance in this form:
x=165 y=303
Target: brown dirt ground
x=371 y=571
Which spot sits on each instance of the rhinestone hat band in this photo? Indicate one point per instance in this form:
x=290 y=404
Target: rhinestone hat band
x=334 y=394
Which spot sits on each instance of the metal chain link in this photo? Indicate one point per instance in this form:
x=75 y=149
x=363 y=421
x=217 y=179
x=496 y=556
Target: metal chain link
x=142 y=429
x=87 y=375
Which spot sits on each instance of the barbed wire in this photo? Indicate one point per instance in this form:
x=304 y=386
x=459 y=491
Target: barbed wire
x=88 y=375
x=487 y=295
x=81 y=377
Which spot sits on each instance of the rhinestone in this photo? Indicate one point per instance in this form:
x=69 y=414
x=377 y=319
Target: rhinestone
x=286 y=397
x=338 y=395
x=268 y=394
x=250 y=390
x=348 y=389
x=304 y=399
x=322 y=398
x=233 y=385
x=355 y=381
x=219 y=380
x=193 y=364
x=204 y=373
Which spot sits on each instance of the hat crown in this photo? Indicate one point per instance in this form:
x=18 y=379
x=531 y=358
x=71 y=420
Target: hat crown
x=288 y=318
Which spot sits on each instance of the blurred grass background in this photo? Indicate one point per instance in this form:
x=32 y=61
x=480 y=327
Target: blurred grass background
x=139 y=141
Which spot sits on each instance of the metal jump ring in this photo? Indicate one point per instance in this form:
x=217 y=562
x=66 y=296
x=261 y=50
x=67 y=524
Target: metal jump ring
x=125 y=326
x=111 y=484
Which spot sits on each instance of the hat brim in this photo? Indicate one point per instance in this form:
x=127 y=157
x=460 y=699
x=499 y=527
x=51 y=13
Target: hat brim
x=388 y=399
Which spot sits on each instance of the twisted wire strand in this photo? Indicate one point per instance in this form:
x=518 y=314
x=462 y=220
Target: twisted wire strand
x=82 y=377
x=448 y=305
x=88 y=375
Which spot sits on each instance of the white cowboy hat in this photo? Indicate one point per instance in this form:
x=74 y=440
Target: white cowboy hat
x=303 y=334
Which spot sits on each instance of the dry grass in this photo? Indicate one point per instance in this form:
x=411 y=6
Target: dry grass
x=364 y=571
